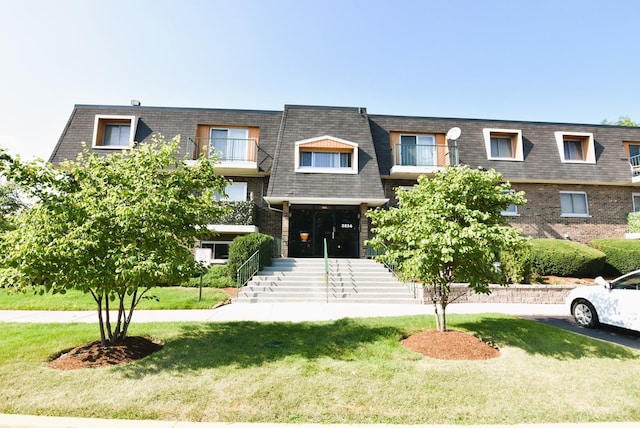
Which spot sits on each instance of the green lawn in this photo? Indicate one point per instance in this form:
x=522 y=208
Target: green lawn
x=159 y=298
x=347 y=371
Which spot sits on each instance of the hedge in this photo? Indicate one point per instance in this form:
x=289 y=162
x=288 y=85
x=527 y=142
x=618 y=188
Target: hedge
x=216 y=276
x=623 y=255
x=243 y=247
x=565 y=258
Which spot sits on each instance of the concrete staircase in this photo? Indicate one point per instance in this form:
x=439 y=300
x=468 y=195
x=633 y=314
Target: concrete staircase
x=303 y=280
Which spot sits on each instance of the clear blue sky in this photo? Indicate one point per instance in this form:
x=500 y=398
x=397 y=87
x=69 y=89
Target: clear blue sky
x=537 y=60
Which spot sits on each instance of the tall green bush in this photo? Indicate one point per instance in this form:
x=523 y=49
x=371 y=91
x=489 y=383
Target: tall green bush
x=623 y=255
x=633 y=222
x=243 y=247
x=565 y=258
x=515 y=264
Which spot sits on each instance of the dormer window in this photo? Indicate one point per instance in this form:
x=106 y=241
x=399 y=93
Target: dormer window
x=503 y=144
x=576 y=147
x=114 y=132
x=325 y=159
x=326 y=155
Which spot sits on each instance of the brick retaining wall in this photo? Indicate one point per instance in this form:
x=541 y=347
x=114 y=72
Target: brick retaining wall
x=521 y=293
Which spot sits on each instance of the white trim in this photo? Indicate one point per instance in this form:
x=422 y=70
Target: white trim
x=232 y=228
x=586 y=202
x=633 y=201
x=324 y=201
x=133 y=123
x=311 y=170
x=516 y=136
x=590 y=155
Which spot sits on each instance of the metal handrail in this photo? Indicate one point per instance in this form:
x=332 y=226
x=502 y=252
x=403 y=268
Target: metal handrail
x=247 y=148
x=427 y=155
x=249 y=268
x=373 y=253
x=326 y=268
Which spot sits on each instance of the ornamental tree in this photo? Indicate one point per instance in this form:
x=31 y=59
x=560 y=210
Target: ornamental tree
x=112 y=226
x=448 y=229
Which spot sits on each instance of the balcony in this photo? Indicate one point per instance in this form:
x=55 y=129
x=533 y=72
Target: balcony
x=412 y=160
x=634 y=162
x=241 y=218
x=234 y=156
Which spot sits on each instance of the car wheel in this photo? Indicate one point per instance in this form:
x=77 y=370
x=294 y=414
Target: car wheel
x=584 y=313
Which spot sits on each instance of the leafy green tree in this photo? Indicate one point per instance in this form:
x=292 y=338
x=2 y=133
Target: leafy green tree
x=622 y=121
x=112 y=226
x=448 y=229
x=11 y=203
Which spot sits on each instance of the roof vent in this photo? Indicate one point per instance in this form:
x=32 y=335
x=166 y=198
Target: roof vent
x=135 y=103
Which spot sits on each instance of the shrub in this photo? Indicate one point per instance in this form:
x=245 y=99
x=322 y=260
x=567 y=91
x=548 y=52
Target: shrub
x=216 y=276
x=623 y=255
x=243 y=247
x=565 y=258
x=633 y=221
x=515 y=265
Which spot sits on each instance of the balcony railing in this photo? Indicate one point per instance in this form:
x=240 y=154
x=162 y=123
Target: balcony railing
x=242 y=214
x=223 y=149
x=634 y=161
x=424 y=155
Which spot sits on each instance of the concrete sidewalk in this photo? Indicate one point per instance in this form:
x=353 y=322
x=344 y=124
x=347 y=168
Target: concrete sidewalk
x=286 y=312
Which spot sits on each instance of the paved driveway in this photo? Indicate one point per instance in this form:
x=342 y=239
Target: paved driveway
x=620 y=336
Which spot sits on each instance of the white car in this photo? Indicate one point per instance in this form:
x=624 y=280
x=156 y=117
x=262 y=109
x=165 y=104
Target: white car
x=614 y=303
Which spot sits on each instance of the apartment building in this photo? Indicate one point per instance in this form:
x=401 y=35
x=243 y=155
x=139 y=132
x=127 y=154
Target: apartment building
x=309 y=173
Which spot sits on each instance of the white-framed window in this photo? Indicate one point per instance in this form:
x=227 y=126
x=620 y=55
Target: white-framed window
x=114 y=131
x=574 y=204
x=229 y=144
x=635 y=197
x=512 y=210
x=236 y=192
x=312 y=159
x=326 y=154
x=503 y=144
x=219 y=250
x=418 y=150
x=576 y=147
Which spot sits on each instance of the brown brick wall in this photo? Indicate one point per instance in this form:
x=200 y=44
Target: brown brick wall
x=541 y=216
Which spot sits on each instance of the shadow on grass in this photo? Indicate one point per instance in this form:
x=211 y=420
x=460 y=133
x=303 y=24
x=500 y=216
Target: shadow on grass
x=247 y=344
x=540 y=339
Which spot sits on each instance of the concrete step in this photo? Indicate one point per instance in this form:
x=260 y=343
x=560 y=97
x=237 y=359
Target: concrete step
x=303 y=280
x=323 y=299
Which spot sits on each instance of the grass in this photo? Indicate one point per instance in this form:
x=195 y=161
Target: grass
x=347 y=371
x=158 y=298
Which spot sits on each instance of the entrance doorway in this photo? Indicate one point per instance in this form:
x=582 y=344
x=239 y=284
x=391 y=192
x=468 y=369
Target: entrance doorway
x=311 y=225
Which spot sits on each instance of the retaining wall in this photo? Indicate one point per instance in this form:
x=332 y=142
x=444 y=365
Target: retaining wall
x=520 y=293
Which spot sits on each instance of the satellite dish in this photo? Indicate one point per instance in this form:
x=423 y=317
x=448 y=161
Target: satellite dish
x=454 y=133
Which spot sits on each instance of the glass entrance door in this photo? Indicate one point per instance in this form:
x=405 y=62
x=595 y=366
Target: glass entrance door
x=310 y=226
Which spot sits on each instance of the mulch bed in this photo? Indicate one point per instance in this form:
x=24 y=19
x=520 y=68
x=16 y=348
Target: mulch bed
x=450 y=345
x=94 y=354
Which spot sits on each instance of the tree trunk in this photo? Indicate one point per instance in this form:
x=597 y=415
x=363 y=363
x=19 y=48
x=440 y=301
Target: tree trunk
x=441 y=316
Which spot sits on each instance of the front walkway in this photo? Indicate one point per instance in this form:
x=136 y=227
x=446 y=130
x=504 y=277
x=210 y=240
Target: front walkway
x=287 y=312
